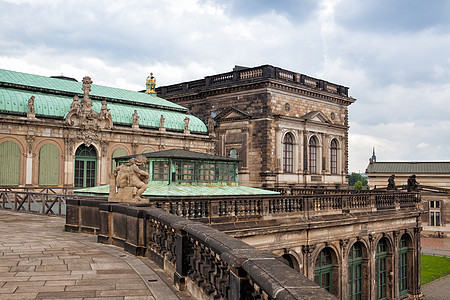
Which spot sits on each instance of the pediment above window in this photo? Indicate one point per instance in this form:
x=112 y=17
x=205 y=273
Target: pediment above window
x=231 y=113
x=317 y=116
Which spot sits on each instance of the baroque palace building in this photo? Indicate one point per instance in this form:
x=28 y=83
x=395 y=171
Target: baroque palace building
x=289 y=130
x=60 y=132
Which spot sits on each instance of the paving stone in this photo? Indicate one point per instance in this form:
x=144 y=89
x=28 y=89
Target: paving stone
x=90 y=287
x=131 y=286
x=64 y=295
x=44 y=288
x=40 y=261
x=48 y=268
x=123 y=293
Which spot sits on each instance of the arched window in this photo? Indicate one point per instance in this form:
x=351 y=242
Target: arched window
x=323 y=270
x=9 y=163
x=49 y=165
x=312 y=155
x=85 y=166
x=355 y=272
x=333 y=158
x=403 y=265
x=117 y=153
x=381 y=268
x=291 y=261
x=288 y=151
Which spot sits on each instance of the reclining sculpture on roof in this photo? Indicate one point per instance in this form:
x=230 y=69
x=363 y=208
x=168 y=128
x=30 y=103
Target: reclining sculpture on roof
x=129 y=182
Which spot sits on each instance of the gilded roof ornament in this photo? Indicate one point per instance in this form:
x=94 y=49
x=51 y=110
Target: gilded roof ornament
x=150 y=85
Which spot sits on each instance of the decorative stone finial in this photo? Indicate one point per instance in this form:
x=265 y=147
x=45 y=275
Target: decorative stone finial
x=150 y=84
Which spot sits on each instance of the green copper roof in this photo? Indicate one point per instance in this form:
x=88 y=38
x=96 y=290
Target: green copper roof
x=182 y=154
x=176 y=190
x=72 y=87
x=16 y=101
x=409 y=167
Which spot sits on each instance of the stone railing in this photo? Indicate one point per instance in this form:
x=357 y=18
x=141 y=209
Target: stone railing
x=235 y=208
x=207 y=263
x=249 y=74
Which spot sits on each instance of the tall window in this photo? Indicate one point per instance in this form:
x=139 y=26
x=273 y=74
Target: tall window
x=48 y=165
x=403 y=265
x=85 y=166
x=323 y=270
x=9 y=163
x=355 y=273
x=381 y=269
x=435 y=213
x=288 y=151
x=312 y=155
x=334 y=150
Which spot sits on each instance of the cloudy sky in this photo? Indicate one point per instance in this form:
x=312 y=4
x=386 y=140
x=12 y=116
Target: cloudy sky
x=393 y=54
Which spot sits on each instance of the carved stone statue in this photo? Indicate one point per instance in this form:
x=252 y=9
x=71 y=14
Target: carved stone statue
x=186 y=124
x=129 y=182
x=135 y=119
x=161 y=123
x=391 y=183
x=412 y=183
x=31 y=111
x=105 y=116
x=75 y=106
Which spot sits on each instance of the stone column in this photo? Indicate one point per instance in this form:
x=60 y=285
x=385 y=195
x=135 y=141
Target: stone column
x=278 y=149
x=416 y=291
x=69 y=144
x=395 y=279
x=29 y=160
x=344 y=271
x=301 y=160
x=103 y=163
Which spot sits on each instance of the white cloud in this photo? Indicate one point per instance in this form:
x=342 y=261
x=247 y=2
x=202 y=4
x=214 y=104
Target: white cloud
x=400 y=78
x=423 y=145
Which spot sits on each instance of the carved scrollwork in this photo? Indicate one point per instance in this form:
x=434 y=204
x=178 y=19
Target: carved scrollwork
x=30 y=140
x=82 y=115
x=308 y=249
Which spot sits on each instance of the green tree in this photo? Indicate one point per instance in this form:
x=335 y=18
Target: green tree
x=354 y=177
x=358 y=185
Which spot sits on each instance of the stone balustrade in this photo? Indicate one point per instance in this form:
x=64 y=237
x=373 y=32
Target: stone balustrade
x=209 y=264
x=248 y=74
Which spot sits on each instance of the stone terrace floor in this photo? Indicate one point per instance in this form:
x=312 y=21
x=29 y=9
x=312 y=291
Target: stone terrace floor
x=38 y=260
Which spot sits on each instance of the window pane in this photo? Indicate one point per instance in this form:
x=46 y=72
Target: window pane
x=160 y=170
x=288 y=149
